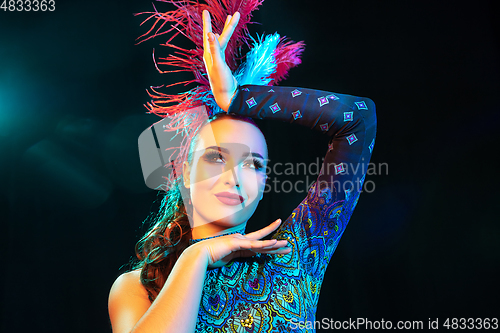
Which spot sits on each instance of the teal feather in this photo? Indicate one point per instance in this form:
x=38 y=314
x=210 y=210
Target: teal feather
x=260 y=62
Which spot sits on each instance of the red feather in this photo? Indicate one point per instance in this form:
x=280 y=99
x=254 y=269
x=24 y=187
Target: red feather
x=187 y=20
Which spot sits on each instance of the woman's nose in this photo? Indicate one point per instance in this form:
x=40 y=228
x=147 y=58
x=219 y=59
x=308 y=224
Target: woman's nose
x=231 y=176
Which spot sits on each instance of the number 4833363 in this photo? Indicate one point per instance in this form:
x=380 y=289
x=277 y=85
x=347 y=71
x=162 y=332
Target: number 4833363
x=28 y=5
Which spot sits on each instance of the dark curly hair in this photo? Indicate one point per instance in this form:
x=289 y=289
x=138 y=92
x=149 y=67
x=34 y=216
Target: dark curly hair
x=169 y=233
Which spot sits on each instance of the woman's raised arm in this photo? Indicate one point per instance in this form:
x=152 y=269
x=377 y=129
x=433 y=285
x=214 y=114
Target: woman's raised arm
x=319 y=221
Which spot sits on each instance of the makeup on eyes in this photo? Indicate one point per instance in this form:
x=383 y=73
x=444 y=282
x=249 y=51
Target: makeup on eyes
x=217 y=155
x=212 y=156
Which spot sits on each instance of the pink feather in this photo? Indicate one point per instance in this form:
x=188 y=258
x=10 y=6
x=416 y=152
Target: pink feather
x=287 y=55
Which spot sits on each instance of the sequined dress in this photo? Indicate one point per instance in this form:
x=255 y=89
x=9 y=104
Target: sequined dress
x=279 y=293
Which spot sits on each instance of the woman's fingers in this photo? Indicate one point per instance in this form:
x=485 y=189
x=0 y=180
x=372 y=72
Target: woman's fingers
x=246 y=253
x=221 y=250
x=211 y=47
x=250 y=253
x=207 y=27
x=280 y=244
x=278 y=248
x=264 y=231
x=215 y=50
x=252 y=244
x=260 y=245
x=285 y=250
x=229 y=26
x=207 y=23
x=275 y=249
x=229 y=29
x=228 y=19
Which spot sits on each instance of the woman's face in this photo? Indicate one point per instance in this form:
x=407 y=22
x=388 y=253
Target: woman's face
x=227 y=174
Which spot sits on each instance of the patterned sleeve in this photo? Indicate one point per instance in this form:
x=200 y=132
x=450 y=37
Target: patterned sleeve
x=314 y=228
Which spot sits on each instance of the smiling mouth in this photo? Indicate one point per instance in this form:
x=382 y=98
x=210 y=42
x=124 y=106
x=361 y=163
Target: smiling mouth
x=229 y=198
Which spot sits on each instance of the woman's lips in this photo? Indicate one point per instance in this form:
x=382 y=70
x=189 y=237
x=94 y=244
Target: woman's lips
x=230 y=199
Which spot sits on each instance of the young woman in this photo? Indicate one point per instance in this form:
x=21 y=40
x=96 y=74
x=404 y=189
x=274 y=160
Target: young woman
x=198 y=270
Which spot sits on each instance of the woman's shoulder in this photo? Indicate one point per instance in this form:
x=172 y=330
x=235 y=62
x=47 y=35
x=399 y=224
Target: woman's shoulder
x=128 y=301
x=130 y=284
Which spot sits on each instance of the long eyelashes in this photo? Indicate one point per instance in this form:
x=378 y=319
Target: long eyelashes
x=258 y=164
x=213 y=157
x=216 y=157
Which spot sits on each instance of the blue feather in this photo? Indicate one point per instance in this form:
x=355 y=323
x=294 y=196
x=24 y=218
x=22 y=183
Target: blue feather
x=260 y=62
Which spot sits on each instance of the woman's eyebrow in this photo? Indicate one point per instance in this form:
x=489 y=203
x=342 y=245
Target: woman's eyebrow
x=226 y=151
x=254 y=155
x=221 y=149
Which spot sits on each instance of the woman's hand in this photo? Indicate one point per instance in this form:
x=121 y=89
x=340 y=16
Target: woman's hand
x=221 y=250
x=221 y=78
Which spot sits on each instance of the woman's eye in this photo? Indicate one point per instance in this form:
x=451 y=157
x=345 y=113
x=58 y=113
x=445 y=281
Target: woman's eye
x=214 y=158
x=249 y=164
x=254 y=164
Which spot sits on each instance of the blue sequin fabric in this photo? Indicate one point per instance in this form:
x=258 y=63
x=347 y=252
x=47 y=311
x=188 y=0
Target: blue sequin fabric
x=275 y=293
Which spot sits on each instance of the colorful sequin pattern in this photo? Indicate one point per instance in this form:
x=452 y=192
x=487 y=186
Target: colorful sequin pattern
x=273 y=293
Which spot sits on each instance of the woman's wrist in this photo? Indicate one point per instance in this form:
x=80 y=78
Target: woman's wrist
x=196 y=253
x=224 y=98
x=235 y=90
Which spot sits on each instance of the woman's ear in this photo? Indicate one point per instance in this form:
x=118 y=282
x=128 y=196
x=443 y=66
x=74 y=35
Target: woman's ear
x=186 y=174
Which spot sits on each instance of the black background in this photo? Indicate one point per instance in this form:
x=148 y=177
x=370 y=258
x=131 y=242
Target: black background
x=423 y=245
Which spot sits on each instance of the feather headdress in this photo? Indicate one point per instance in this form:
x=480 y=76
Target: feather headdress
x=267 y=62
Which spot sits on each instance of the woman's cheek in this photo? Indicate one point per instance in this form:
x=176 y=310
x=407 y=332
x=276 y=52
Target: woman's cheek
x=205 y=171
x=254 y=184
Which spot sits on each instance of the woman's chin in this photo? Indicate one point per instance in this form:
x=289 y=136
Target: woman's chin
x=221 y=208
x=225 y=215
x=228 y=220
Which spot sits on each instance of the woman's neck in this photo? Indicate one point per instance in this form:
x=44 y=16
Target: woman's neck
x=210 y=229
